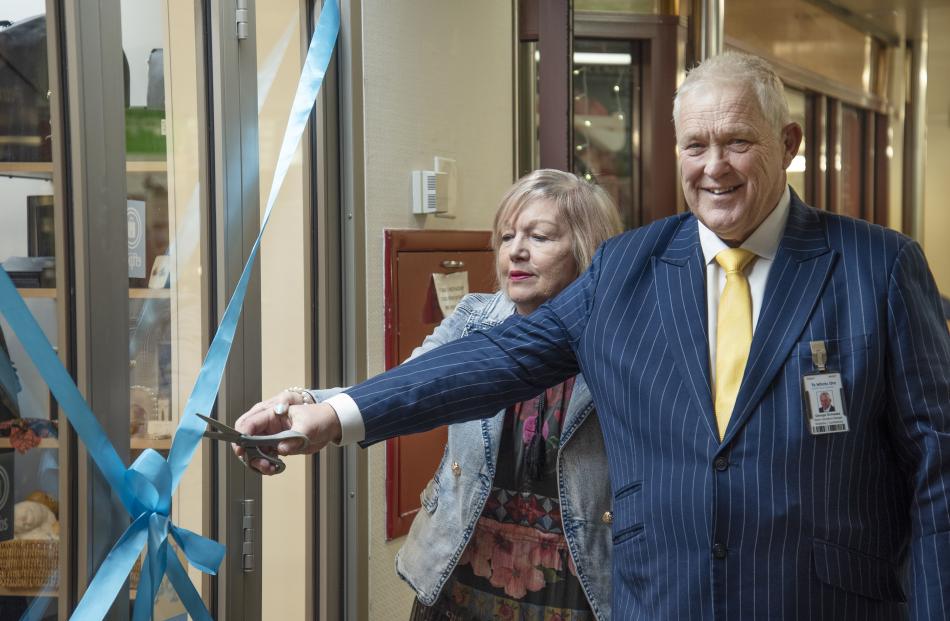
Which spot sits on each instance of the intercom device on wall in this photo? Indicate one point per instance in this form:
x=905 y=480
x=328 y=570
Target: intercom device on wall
x=430 y=192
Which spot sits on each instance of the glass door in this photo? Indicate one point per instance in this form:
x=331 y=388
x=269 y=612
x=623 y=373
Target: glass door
x=607 y=108
x=166 y=213
x=125 y=238
x=33 y=539
x=620 y=82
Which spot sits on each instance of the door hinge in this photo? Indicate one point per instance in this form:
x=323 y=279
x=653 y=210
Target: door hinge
x=247 y=544
x=241 y=14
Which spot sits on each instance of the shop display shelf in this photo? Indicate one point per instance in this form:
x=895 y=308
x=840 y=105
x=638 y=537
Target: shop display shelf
x=139 y=443
x=44 y=170
x=37 y=292
x=135 y=293
x=44 y=443
x=8 y=592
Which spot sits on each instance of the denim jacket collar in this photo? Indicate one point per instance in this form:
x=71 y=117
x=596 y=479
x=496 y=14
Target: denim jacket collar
x=497 y=310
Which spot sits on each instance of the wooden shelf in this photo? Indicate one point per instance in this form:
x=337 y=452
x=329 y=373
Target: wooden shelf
x=45 y=169
x=136 y=443
x=143 y=293
x=146 y=166
x=37 y=292
x=140 y=444
x=18 y=169
x=138 y=293
x=7 y=592
x=44 y=443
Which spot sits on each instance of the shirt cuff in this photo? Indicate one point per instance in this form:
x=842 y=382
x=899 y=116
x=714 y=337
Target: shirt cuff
x=351 y=421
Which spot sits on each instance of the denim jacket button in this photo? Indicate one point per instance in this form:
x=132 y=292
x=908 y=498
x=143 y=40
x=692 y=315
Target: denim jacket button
x=607 y=517
x=456 y=468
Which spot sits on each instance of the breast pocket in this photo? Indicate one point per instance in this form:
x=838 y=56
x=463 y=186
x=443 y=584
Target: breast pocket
x=839 y=349
x=851 y=356
x=429 y=497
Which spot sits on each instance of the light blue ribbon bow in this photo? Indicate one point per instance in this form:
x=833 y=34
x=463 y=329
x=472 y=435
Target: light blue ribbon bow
x=146 y=487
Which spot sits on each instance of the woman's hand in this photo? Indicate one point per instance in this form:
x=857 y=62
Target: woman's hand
x=289 y=410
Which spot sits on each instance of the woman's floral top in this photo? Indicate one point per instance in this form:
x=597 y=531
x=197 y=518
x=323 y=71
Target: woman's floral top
x=517 y=565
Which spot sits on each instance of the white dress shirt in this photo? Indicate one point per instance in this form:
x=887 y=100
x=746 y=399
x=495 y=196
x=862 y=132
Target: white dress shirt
x=763 y=242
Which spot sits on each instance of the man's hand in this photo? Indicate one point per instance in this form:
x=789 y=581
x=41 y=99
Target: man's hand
x=317 y=421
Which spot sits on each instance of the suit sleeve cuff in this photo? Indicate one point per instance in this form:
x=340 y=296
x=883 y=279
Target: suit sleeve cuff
x=351 y=421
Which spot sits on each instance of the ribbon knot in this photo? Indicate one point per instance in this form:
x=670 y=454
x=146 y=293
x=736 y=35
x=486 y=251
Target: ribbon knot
x=147 y=495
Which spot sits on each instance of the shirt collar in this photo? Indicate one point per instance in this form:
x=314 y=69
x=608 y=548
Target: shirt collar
x=764 y=240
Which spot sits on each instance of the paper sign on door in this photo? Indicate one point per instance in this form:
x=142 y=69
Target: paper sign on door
x=449 y=289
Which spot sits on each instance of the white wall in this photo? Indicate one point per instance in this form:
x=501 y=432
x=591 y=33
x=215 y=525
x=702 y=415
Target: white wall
x=284 y=307
x=437 y=78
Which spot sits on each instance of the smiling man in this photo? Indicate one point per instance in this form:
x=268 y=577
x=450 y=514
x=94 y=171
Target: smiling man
x=703 y=337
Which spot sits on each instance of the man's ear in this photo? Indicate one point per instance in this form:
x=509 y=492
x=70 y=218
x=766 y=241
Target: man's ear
x=791 y=140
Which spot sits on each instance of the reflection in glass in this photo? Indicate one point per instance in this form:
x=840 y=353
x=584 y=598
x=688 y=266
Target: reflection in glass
x=29 y=456
x=160 y=43
x=606 y=136
x=796 y=170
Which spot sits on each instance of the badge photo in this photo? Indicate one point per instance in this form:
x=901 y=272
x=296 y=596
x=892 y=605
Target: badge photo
x=825 y=400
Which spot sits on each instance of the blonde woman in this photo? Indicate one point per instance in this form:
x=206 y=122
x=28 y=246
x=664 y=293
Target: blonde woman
x=516 y=522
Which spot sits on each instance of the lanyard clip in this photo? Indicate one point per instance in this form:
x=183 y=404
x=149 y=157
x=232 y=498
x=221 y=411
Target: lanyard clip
x=819 y=355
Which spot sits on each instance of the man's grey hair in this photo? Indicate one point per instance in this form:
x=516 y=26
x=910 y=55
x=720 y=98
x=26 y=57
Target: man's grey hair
x=742 y=70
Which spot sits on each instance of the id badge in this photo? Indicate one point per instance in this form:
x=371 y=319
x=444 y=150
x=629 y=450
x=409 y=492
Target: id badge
x=824 y=396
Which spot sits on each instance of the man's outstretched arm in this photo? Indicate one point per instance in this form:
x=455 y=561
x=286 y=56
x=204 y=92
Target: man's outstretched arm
x=463 y=380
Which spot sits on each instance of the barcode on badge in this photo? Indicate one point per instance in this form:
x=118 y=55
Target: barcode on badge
x=836 y=428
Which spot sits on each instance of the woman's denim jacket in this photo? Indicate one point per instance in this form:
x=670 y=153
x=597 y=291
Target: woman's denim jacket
x=453 y=500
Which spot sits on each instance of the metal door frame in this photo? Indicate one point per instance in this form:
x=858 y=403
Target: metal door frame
x=237 y=510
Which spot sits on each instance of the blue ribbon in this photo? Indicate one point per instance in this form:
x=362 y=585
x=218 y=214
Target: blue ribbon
x=146 y=487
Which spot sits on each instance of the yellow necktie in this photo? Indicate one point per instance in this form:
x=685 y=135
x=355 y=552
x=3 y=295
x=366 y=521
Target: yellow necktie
x=733 y=332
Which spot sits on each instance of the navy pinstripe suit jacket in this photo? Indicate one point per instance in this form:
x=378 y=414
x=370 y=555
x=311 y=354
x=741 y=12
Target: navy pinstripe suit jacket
x=772 y=523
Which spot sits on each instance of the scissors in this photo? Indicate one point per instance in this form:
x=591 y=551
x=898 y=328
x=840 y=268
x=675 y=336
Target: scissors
x=253 y=445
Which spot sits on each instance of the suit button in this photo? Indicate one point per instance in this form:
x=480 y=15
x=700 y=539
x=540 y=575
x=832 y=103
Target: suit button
x=721 y=464
x=456 y=468
x=607 y=517
x=719 y=551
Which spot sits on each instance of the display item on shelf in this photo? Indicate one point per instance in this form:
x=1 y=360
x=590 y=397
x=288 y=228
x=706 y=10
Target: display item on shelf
x=34 y=520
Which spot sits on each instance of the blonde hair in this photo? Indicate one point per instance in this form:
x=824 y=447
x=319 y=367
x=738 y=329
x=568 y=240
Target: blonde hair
x=586 y=209
x=744 y=71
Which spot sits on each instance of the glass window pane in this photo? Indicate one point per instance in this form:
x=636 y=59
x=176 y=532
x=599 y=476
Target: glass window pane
x=606 y=128
x=163 y=132
x=29 y=457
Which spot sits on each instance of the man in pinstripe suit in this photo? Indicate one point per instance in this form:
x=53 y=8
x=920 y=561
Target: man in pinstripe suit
x=742 y=512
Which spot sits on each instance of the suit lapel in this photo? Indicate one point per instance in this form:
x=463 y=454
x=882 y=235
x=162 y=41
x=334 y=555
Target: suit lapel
x=681 y=294
x=802 y=266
